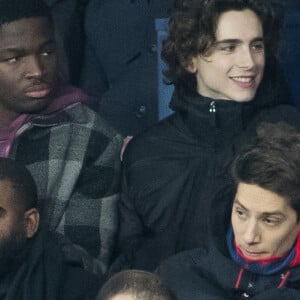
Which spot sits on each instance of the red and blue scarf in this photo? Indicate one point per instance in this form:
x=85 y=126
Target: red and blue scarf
x=265 y=266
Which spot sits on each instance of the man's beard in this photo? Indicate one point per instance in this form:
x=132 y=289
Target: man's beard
x=13 y=250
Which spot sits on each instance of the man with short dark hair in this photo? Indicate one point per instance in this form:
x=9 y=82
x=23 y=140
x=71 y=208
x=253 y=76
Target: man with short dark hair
x=255 y=253
x=33 y=264
x=72 y=154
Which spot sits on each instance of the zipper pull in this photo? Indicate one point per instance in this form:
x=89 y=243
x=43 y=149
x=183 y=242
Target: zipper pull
x=213 y=110
x=212 y=107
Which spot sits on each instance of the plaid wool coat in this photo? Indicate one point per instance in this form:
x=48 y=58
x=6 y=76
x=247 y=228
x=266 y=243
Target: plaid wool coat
x=73 y=156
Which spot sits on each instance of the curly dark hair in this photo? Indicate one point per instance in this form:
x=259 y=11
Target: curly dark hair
x=271 y=160
x=192 y=27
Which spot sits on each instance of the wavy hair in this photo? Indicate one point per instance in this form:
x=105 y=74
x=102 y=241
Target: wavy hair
x=192 y=28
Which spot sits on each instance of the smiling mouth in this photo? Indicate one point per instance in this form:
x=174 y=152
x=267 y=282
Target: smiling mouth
x=244 y=81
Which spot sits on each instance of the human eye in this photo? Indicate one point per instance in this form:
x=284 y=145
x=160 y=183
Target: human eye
x=240 y=212
x=228 y=47
x=46 y=53
x=12 y=60
x=258 y=46
x=272 y=221
x=2 y=212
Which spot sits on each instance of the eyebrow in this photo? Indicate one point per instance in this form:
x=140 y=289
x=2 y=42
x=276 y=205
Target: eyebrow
x=237 y=41
x=264 y=214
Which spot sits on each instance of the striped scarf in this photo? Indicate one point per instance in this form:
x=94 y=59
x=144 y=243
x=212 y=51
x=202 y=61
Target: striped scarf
x=265 y=266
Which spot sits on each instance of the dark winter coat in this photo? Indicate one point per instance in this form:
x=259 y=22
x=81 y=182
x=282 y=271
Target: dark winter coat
x=210 y=273
x=47 y=273
x=173 y=171
x=120 y=65
x=73 y=155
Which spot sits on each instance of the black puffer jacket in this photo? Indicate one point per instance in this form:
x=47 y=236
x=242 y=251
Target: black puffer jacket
x=174 y=170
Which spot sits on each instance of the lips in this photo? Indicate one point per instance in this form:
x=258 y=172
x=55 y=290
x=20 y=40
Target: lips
x=244 y=81
x=37 y=92
x=253 y=254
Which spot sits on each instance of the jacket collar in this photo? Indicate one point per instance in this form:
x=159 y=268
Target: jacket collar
x=212 y=121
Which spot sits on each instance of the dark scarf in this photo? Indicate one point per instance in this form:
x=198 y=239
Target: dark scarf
x=264 y=266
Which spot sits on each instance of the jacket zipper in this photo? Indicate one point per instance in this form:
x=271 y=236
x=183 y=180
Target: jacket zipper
x=213 y=110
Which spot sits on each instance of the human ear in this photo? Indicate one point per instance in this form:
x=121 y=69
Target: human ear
x=191 y=65
x=32 y=221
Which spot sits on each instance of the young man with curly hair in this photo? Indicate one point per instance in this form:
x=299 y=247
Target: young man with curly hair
x=217 y=53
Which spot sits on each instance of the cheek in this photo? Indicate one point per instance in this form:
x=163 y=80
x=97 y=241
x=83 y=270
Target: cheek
x=51 y=65
x=283 y=243
x=260 y=61
x=8 y=82
x=5 y=232
x=237 y=227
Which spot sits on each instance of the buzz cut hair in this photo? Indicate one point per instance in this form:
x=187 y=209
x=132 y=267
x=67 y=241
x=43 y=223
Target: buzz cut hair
x=138 y=284
x=22 y=183
x=14 y=10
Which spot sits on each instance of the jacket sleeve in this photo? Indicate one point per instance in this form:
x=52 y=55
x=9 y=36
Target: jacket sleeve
x=90 y=218
x=100 y=183
x=138 y=247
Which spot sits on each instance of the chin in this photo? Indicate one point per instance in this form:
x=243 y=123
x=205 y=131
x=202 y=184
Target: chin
x=243 y=99
x=37 y=106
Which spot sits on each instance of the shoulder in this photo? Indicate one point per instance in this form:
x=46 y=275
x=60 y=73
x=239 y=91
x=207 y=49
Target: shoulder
x=162 y=138
x=185 y=260
x=280 y=113
x=182 y=266
x=82 y=115
x=185 y=277
x=89 y=123
x=80 y=284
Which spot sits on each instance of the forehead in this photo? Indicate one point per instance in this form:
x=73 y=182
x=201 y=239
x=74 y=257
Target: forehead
x=26 y=33
x=243 y=24
x=259 y=200
x=123 y=297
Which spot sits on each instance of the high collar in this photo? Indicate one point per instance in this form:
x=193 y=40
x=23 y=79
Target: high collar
x=212 y=121
x=217 y=265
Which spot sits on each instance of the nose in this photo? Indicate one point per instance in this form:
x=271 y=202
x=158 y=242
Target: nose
x=252 y=234
x=34 y=69
x=245 y=58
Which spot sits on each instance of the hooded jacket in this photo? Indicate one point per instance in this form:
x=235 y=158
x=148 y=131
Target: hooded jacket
x=210 y=273
x=174 y=170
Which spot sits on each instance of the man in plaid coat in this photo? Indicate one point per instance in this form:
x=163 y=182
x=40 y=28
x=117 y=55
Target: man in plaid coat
x=72 y=154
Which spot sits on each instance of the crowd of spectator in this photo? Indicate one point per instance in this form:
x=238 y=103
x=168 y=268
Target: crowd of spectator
x=100 y=199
